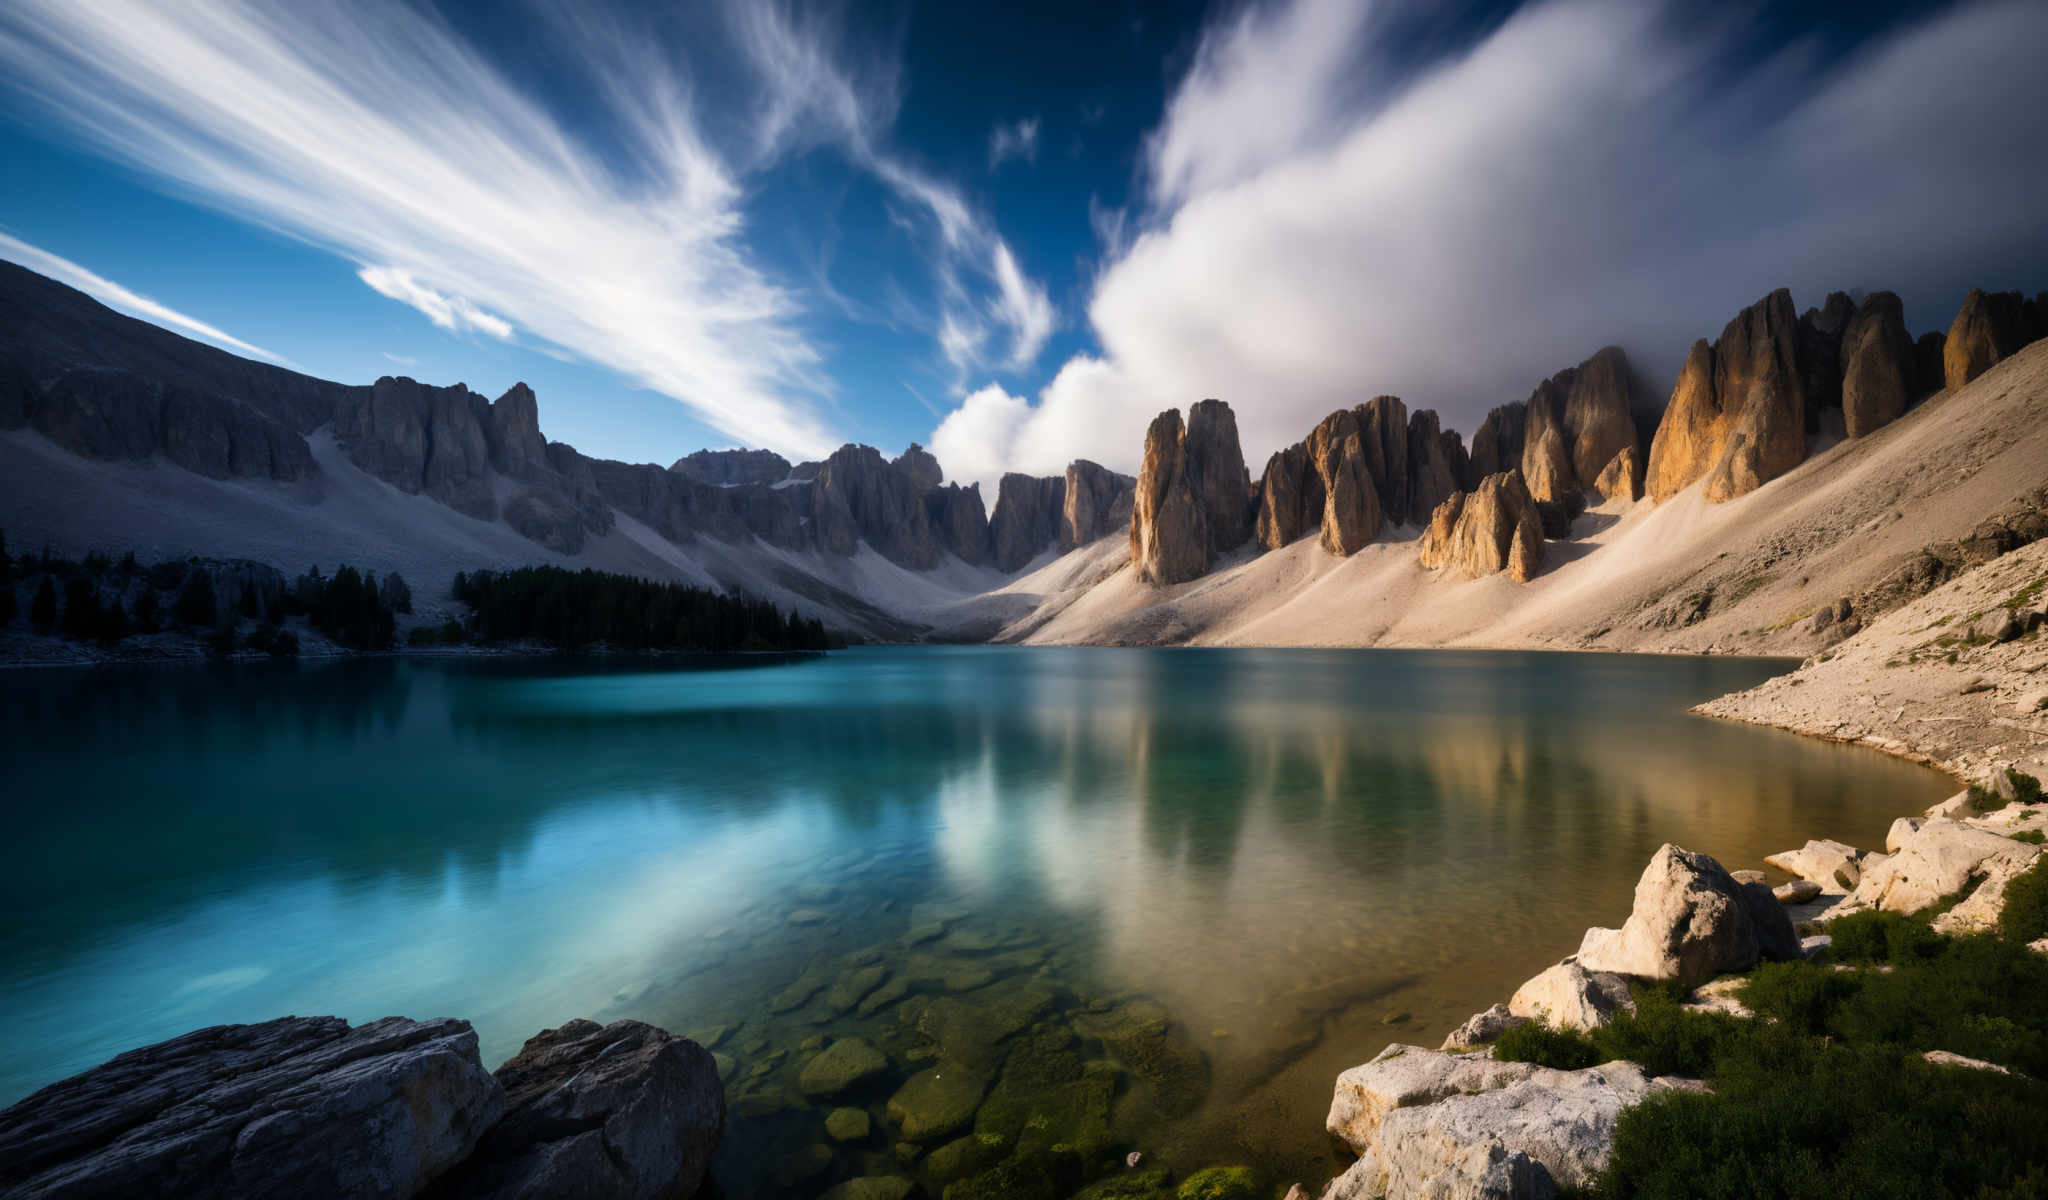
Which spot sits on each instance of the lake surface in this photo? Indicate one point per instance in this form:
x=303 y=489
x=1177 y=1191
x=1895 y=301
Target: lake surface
x=1143 y=898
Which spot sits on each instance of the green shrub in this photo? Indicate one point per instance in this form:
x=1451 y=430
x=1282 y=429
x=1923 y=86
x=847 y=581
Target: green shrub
x=2025 y=788
x=2032 y=837
x=1984 y=800
x=1666 y=1039
x=1219 y=1183
x=1546 y=1046
x=2025 y=917
x=1882 y=937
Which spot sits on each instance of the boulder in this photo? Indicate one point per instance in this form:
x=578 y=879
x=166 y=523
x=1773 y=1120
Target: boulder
x=1495 y=529
x=1935 y=862
x=1877 y=365
x=1096 y=503
x=1431 y=474
x=1830 y=864
x=1903 y=828
x=843 y=1064
x=1987 y=329
x=1193 y=498
x=1691 y=922
x=1482 y=1028
x=620 y=1110
x=1567 y=996
x=1621 y=478
x=1737 y=416
x=1426 y=1123
x=848 y=1124
x=299 y=1106
x=1027 y=518
x=1799 y=891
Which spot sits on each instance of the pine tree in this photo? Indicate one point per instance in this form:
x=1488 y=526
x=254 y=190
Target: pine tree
x=43 y=609
x=195 y=600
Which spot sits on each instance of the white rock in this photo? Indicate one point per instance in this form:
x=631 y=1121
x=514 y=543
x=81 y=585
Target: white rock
x=1810 y=946
x=1749 y=877
x=1526 y=1139
x=1902 y=829
x=1691 y=922
x=1567 y=996
x=1482 y=1027
x=1980 y=911
x=1830 y=864
x=2031 y=702
x=1403 y=1076
x=1799 y=891
x=1944 y=1058
x=1934 y=863
x=1947 y=809
x=1719 y=997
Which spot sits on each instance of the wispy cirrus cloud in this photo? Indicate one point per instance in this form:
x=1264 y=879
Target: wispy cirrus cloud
x=620 y=237
x=113 y=295
x=1013 y=139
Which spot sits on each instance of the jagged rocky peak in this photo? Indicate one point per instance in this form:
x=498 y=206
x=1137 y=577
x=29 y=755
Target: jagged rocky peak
x=1989 y=327
x=1622 y=477
x=1494 y=529
x=1027 y=517
x=513 y=432
x=732 y=468
x=1877 y=363
x=1498 y=442
x=919 y=467
x=1193 y=496
x=422 y=439
x=1323 y=483
x=1383 y=424
x=1432 y=473
x=1821 y=331
x=1737 y=415
x=1096 y=503
x=862 y=496
x=1577 y=422
x=959 y=521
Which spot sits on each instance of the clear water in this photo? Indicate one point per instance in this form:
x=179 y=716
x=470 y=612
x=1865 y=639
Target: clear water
x=1295 y=855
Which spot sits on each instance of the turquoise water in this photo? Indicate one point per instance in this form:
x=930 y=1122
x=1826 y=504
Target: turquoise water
x=1266 y=863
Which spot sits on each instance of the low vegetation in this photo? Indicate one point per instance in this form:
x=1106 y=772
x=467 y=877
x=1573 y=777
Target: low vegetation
x=572 y=609
x=1827 y=1093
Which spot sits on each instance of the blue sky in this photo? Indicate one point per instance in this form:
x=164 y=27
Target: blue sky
x=1011 y=233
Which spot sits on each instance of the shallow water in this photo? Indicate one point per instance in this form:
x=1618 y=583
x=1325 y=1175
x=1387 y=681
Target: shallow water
x=1195 y=883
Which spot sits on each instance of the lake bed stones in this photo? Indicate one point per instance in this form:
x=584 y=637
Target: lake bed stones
x=840 y=1066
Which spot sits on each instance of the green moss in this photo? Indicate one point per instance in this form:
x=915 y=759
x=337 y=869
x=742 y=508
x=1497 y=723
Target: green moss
x=1219 y=1183
x=1151 y=1184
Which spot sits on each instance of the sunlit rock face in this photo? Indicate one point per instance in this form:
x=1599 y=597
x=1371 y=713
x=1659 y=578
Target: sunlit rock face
x=1737 y=416
x=1989 y=327
x=1578 y=420
x=1193 y=496
x=1494 y=530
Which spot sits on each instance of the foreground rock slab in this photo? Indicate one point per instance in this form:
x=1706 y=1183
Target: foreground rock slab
x=299 y=1106
x=1445 y=1125
x=1934 y=862
x=625 y=1111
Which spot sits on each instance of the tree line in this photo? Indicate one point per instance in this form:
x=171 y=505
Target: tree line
x=571 y=609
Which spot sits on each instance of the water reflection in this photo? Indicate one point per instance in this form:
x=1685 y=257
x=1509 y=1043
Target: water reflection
x=1280 y=846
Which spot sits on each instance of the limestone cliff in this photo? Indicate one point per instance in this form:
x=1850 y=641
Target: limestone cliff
x=1493 y=530
x=1096 y=502
x=1877 y=365
x=1193 y=497
x=1027 y=519
x=1737 y=416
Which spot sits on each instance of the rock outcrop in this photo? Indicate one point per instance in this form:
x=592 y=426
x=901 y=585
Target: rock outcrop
x=622 y=1110
x=1426 y=1123
x=1498 y=444
x=1433 y=474
x=860 y=496
x=1876 y=355
x=1821 y=333
x=1830 y=864
x=1029 y=510
x=1934 y=862
x=1737 y=416
x=1929 y=373
x=1568 y=996
x=299 y=1106
x=1496 y=528
x=1193 y=498
x=1577 y=421
x=1621 y=478
x=1691 y=922
x=1988 y=328
x=732 y=468
x=1383 y=427
x=1096 y=503
x=1325 y=483
x=958 y=521
x=306 y=1106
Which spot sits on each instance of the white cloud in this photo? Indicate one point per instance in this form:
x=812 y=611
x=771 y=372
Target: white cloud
x=452 y=313
x=113 y=295
x=403 y=360
x=1589 y=172
x=375 y=131
x=1016 y=139
x=974 y=441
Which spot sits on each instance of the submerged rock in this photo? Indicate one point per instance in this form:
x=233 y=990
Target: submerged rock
x=844 y=1063
x=937 y=1102
x=299 y=1106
